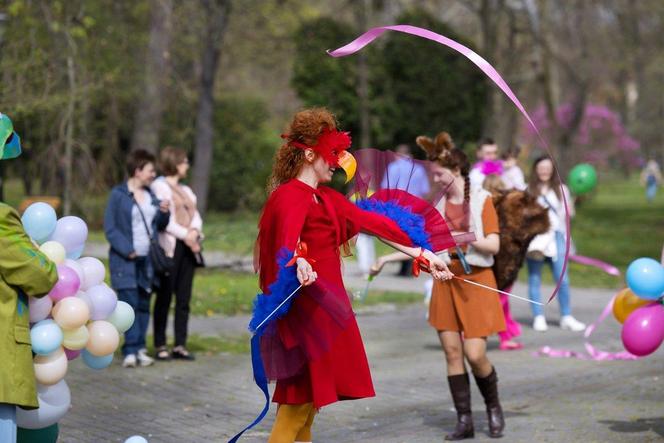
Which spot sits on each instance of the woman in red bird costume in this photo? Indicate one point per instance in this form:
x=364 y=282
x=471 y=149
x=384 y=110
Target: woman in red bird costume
x=313 y=349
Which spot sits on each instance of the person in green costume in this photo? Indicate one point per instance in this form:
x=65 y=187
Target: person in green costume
x=24 y=271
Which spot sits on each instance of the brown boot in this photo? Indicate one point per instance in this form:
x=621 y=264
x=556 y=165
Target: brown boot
x=489 y=389
x=460 y=389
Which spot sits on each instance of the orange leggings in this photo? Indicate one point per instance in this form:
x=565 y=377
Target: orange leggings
x=293 y=423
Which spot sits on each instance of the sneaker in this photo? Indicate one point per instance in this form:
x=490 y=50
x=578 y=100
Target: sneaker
x=143 y=358
x=539 y=323
x=569 y=323
x=129 y=361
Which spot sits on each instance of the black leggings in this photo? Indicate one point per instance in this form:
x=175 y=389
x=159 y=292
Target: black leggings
x=179 y=281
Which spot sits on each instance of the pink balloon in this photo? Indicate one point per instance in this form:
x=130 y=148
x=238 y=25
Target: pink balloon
x=71 y=355
x=39 y=308
x=67 y=285
x=643 y=331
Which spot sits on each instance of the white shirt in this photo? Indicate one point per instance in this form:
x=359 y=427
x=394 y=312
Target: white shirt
x=550 y=200
x=141 y=237
x=513 y=178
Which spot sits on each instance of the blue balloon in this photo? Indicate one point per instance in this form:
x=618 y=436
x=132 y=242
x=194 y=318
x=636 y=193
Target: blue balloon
x=94 y=362
x=39 y=221
x=645 y=277
x=136 y=439
x=46 y=337
x=76 y=253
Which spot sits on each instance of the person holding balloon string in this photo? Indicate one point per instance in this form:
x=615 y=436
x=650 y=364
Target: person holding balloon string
x=132 y=220
x=24 y=271
x=550 y=248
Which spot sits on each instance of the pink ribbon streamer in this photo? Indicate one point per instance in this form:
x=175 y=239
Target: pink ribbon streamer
x=592 y=352
x=372 y=34
x=589 y=261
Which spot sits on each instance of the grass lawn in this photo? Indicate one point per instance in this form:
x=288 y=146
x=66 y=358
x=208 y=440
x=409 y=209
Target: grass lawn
x=231 y=293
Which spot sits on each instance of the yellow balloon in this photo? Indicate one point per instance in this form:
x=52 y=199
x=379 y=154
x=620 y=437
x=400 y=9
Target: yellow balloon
x=625 y=303
x=51 y=368
x=54 y=251
x=75 y=339
x=104 y=338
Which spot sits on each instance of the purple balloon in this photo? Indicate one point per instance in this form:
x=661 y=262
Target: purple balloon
x=103 y=301
x=67 y=285
x=71 y=355
x=71 y=232
x=643 y=331
x=39 y=308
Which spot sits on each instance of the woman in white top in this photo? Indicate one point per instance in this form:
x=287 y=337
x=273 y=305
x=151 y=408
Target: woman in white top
x=180 y=240
x=550 y=248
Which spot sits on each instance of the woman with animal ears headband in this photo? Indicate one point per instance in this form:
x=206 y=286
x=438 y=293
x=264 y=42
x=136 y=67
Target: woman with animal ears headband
x=464 y=315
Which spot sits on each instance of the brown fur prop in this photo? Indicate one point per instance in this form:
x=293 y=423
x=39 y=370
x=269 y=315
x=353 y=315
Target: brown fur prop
x=520 y=218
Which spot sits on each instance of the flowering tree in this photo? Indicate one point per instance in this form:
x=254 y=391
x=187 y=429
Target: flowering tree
x=600 y=139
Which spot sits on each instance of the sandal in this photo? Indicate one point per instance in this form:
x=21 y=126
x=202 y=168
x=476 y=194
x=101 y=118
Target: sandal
x=162 y=353
x=181 y=353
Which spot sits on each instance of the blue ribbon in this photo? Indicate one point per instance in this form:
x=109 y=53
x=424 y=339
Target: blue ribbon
x=269 y=308
x=261 y=382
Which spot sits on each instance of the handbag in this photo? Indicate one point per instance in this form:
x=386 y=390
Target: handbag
x=161 y=263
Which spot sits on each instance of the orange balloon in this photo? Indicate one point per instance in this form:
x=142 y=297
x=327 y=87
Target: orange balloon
x=104 y=338
x=626 y=302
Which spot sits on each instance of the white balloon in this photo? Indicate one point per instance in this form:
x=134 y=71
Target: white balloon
x=54 y=403
x=51 y=368
x=136 y=439
x=93 y=272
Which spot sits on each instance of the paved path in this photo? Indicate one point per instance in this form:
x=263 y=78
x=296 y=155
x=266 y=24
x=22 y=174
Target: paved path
x=546 y=400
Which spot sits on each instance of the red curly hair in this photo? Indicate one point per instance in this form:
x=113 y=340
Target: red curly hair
x=306 y=126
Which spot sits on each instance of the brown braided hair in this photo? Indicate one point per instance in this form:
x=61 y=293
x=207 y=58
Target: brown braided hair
x=306 y=127
x=443 y=151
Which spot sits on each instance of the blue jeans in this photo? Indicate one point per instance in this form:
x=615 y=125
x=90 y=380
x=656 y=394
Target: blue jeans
x=139 y=300
x=535 y=279
x=7 y=423
x=651 y=191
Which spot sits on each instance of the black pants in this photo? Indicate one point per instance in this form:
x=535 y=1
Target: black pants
x=179 y=281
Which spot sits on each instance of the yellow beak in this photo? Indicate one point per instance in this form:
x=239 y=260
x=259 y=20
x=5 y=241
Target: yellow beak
x=348 y=163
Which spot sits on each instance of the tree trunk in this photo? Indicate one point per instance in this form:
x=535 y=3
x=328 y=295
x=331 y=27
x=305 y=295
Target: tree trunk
x=217 y=12
x=363 y=19
x=148 y=111
x=69 y=136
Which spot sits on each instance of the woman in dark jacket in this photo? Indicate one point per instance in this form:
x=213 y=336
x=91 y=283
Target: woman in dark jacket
x=132 y=273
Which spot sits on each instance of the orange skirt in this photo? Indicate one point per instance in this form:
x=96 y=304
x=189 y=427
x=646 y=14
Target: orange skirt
x=460 y=306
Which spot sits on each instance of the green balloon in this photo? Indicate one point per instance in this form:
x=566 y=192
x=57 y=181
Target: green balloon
x=6 y=128
x=48 y=434
x=582 y=179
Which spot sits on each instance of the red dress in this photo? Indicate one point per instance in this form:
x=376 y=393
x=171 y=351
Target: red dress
x=324 y=220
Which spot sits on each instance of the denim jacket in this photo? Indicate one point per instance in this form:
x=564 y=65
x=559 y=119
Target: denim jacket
x=118 y=230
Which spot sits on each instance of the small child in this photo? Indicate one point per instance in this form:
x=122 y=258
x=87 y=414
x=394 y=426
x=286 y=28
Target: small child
x=512 y=176
x=24 y=271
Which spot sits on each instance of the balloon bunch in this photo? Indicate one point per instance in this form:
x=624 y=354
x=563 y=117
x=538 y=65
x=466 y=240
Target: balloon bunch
x=639 y=307
x=80 y=316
